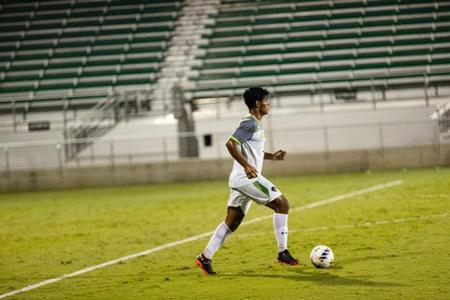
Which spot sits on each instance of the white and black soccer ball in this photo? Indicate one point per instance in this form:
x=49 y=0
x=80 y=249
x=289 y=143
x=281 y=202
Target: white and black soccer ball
x=322 y=256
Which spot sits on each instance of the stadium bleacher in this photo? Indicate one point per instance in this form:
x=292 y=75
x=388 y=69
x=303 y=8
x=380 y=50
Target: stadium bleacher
x=150 y=58
x=296 y=46
x=81 y=50
x=74 y=53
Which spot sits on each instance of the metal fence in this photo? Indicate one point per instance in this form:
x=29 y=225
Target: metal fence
x=141 y=149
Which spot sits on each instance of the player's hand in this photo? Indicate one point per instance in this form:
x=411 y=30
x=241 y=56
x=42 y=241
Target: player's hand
x=279 y=155
x=250 y=171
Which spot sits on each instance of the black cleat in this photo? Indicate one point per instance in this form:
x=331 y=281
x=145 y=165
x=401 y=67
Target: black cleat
x=205 y=264
x=286 y=258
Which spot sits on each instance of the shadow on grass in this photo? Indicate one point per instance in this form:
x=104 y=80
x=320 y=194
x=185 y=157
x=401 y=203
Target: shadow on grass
x=320 y=278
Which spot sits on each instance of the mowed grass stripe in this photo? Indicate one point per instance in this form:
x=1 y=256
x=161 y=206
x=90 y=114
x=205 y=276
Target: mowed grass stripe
x=194 y=238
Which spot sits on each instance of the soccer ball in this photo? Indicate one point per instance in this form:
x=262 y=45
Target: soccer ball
x=322 y=256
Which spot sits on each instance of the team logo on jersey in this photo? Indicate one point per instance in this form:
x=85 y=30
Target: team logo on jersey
x=274 y=189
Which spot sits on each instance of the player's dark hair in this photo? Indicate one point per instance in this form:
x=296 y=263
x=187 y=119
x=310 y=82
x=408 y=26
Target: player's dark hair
x=253 y=94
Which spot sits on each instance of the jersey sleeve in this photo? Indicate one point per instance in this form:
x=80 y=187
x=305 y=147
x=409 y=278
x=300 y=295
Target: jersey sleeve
x=244 y=132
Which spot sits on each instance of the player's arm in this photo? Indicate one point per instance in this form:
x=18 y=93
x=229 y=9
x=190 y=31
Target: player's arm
x=278 y=155
x=233 y=148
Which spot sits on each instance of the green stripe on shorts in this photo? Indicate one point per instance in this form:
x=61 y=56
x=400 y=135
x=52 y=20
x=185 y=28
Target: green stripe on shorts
x=262 y=188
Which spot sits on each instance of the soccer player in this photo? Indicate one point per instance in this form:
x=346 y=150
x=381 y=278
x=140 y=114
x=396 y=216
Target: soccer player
x=246 y=146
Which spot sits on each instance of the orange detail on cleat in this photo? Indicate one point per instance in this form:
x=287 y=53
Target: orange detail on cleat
x=199 y=264
x=294 y=263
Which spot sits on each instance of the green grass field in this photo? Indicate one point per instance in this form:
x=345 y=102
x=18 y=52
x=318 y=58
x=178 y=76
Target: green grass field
x=389 y=244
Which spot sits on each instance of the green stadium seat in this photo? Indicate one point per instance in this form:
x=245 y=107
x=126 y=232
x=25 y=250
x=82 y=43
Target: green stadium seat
x=94 y=84
x=133 y=81
x=98 y=73
x=82 y=46
x=145 y=38
x=48 y=86
x=19 y=78
x=108 y=44
x=107 y=51
x=114 y=40
x=108 y=61
x=152 y=29
x=58 y=64
x=66 y=54
x=156 y=19
x=16 y=87
x=139 y=69
x=388 y=12
x=366 y=36
x=79 y=15
x=62 y=74
x=5 y=18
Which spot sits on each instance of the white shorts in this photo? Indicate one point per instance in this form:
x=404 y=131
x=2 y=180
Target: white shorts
x=262 y=191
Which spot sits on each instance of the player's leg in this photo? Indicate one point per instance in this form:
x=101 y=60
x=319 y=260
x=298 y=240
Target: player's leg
x=238 y=205
x=234 y=217
x=264 y=192
x=204 y=260
x=280 y=206
x=232 y=221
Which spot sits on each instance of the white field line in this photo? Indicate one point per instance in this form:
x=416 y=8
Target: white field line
x=333 y=199
x=197 y=237
x=348 y=226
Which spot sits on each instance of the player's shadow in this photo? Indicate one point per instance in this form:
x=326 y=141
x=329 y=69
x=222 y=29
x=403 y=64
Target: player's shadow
x=320 y=278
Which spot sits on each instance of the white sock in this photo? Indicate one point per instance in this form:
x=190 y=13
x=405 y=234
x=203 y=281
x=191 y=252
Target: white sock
x=281 y=230
x=217 y=239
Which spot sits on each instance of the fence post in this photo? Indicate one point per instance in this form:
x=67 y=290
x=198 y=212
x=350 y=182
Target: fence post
x=425 y=86
x=381 y=134
x=437 y=143
x=7 y=163
x=60 y=162
x=116 y=108
x=164 y=148
x=14 y=117
x=126 y=106
x=326 y=143
x=111 y=149
x=321 y=98
x=372 y=89
x=91 y=152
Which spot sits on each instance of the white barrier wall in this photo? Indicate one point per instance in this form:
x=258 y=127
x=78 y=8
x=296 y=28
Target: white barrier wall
x=294 y=129
x=299 y=131
x=218 y=169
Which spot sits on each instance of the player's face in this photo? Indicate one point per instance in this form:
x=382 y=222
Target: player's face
x=264 y=106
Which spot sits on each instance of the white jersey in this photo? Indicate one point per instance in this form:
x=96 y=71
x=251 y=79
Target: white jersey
x=250 y=137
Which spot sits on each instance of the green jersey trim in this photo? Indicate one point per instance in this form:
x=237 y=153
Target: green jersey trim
x=235 y=139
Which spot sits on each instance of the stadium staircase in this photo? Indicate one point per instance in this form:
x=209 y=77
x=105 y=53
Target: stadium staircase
x=181 y=51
